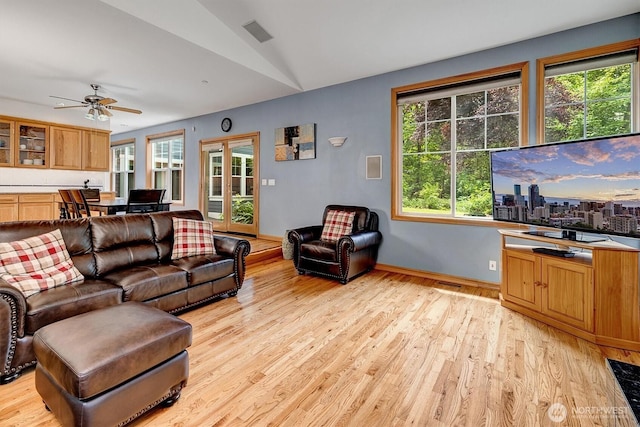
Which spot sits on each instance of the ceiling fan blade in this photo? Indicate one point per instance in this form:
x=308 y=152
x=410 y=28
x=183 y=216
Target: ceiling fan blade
x=107 y=101
x=68 y=106
x=127 y=110
x=68 y=99
x=107 y=112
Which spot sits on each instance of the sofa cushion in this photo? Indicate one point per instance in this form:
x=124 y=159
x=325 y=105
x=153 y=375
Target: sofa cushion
x=62 y=302
x=144 y=282
x=336 y=225
x=76 y=234
x=37 y=263
x=205 y=268
x=318 y=249
x=120 y=241
x=362 y=219
x=192 y=237
x=163 y=229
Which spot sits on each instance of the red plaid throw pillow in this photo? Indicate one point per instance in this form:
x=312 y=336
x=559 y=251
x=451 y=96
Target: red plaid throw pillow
x=337 y=224
x=192 y=237
x=37 y=263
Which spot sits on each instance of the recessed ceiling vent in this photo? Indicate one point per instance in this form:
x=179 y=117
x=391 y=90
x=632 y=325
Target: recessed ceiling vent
x=257 y=31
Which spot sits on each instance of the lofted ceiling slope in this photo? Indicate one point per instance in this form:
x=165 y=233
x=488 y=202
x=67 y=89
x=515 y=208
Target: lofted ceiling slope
x=179 y=59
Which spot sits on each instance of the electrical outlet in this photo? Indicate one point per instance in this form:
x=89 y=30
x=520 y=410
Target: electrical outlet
x=493 y=266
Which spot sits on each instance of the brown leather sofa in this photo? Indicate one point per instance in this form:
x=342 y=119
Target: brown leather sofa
x=123 y=258
x=350 y=256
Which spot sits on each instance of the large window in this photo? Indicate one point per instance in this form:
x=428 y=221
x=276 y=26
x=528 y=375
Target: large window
x=444 y=131
x=166 y=164
x=122 y=167
x=589 y=93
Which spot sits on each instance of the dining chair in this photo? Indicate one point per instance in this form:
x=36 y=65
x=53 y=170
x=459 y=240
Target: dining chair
x=70 y=208
x=92 y=195
x=144 y=200
x=82 y=207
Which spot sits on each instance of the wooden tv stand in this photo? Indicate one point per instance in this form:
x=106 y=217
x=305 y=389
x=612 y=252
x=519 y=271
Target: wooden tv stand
x=594 y=295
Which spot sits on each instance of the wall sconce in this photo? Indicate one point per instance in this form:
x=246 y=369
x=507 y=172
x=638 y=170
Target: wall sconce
x=337 y=141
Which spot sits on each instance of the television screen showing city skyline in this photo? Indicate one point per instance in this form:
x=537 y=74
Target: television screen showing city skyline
x=590 y=185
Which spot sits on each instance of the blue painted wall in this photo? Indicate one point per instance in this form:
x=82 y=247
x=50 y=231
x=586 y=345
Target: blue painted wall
x=361 y=111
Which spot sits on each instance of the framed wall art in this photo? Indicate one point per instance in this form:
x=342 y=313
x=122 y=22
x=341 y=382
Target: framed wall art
x=296 y=142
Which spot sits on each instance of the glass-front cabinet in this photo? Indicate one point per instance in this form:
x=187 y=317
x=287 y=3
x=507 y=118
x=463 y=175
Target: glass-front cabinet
x=33 y=145
x=6 y=143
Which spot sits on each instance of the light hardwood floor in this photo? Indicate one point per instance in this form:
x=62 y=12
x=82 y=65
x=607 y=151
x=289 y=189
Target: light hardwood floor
x=384 y=350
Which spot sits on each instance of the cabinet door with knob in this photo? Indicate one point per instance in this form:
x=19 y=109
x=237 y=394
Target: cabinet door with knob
x=6 y=143
x=95 y=151
x=558 y=288
x=33 y=145
x=66 y=148
x=567 y=292
x=521 y=280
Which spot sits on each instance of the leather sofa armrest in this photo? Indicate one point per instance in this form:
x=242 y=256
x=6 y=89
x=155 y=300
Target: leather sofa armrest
x=360 y=240
x=13 y=308
x=238 y=249
x=305 y=234
x=17 y=309
x=226 y=245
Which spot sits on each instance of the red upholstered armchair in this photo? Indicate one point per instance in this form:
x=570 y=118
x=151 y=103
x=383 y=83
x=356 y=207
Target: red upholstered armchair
x=337 y=252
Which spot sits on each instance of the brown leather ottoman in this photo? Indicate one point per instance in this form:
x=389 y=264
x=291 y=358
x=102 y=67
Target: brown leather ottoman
x=109 y=366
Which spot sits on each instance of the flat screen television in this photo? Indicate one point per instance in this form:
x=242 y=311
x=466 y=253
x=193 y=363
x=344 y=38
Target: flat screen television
x=584 y=187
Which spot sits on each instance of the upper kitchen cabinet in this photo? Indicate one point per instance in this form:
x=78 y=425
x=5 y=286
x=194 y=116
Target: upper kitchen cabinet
x=95 y=150
x=6 y=143
x=66 y=148
x=33 y=145
x=79 y=149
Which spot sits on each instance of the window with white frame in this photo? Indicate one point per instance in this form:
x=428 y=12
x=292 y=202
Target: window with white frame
x=166 y=154
x=242 y=172
x=590 y=93
x=122 y=167
x=444 y=131
x=215 y=174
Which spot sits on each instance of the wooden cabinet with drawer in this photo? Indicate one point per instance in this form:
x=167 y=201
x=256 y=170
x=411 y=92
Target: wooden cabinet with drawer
x=36 y=206
x=8 y=207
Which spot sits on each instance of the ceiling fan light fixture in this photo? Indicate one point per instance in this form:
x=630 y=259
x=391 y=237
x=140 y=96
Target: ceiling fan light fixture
x=99 y=106
x=102 y=116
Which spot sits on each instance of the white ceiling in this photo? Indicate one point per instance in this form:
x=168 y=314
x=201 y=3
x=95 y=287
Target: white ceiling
x=175 y=59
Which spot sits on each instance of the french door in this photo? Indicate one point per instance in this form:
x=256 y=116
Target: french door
x=228 y=191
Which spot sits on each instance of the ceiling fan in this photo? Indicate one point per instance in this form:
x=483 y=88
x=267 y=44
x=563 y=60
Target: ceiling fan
x=99 y=106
